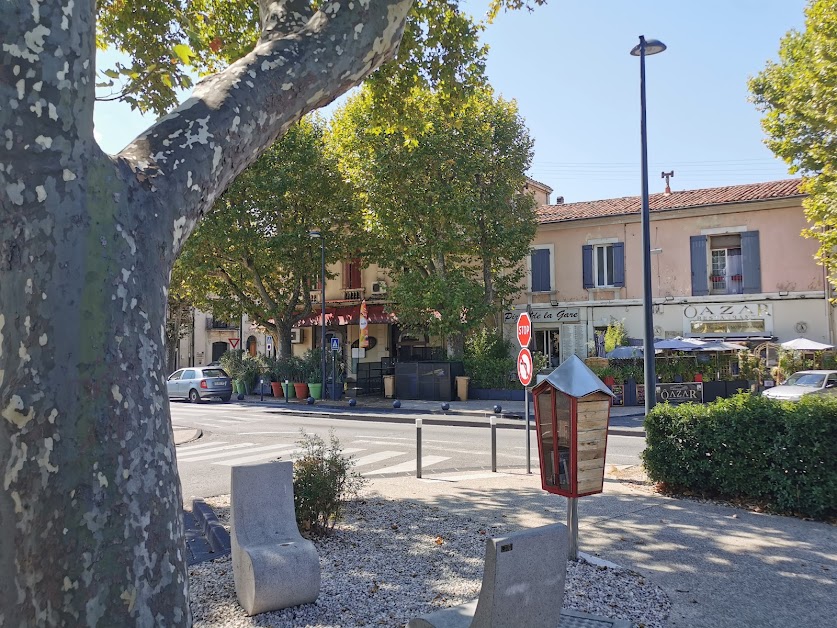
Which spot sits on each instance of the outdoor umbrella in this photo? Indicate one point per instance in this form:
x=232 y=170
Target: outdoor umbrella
x=803 y=344
x=680 y=344
x=627 y=353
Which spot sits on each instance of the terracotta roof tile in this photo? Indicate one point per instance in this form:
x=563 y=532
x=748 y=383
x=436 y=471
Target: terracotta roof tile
x=676 y=200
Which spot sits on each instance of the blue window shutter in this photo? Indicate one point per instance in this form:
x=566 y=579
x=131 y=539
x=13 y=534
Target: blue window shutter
x=541 y=281
x=587 y=266
x=751 y=262
x=700 y=278
x=619 y=264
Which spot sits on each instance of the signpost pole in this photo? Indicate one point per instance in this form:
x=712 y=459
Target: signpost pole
x=526 y=415
x=572 y=524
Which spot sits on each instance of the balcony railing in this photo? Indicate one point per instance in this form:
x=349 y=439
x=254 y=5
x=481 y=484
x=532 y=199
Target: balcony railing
x=211 y=323
x=353 y=294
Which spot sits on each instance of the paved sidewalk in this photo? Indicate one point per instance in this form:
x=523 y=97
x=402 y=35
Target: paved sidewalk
x=720 y=566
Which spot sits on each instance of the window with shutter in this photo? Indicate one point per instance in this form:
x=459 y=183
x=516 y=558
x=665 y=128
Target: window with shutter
x=541 y=271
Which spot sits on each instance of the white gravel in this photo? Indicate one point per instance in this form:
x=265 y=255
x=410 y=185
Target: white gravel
x=390 y=561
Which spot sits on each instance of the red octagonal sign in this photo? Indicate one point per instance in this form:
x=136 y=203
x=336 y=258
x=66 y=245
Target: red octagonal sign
x=524 y=329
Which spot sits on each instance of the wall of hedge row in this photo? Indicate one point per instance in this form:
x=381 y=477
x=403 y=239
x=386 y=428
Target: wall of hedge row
x=778 y=453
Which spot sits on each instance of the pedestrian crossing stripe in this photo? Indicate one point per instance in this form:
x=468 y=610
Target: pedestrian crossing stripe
x=426 y=461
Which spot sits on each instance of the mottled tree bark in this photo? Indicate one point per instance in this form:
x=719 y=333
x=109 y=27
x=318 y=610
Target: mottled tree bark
x=90 y=527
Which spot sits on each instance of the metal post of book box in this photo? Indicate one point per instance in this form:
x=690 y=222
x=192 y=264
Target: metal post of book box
x=572 y=412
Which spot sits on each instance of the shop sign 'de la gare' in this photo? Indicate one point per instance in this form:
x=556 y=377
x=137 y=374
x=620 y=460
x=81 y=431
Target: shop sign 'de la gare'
x=548 y=315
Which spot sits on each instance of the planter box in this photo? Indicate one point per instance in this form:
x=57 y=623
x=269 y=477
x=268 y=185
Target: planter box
x=714 y=390
x=495 y=394
x=737 y=386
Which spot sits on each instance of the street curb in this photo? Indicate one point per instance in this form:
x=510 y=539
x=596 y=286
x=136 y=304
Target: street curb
x=215 y=533
x=383 y=418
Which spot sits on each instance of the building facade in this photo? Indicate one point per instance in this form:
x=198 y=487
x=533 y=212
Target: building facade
x=726 y=263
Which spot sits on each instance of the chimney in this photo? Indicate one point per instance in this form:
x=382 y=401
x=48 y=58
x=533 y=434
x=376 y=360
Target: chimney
x=667 y=176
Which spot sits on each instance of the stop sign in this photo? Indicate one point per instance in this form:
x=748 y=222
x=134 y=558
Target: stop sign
x=524 y=329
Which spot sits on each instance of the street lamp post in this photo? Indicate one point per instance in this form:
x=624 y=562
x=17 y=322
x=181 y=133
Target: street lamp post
x=318 y=234
x=641 y=50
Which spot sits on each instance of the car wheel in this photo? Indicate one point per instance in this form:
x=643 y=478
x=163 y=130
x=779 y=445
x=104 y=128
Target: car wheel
x=194 y=397
x=225 y=398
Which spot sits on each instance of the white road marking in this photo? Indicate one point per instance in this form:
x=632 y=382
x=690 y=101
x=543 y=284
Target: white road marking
x=426 y=461
x=267 y=455
x=378 y=457
x=464 y=476
x=189 y=448
x=199 y=455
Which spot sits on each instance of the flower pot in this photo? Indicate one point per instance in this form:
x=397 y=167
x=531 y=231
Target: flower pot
x=276 y=387
x=301 y=390
x=316 y=389
x=609 y=382
x=288 y=390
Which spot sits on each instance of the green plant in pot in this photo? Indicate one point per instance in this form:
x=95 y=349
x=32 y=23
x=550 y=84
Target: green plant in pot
x=314 y=373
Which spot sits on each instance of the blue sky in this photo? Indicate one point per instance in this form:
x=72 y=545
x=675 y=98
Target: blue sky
x=568 y=66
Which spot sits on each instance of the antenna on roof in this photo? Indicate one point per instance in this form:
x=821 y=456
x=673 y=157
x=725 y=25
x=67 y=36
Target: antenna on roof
x=667 y=176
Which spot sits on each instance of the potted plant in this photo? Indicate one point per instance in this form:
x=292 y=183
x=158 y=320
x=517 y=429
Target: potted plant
x=299 y=375
x=314 y=373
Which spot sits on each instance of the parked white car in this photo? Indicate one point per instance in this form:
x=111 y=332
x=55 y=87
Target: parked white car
x=804 y=383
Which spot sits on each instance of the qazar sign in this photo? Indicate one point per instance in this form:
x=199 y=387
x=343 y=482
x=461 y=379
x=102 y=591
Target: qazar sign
x=726 y=311
x=548 y=315
x=680 y=392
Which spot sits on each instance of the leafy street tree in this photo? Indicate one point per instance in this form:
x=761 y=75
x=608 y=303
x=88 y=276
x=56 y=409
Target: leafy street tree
x=179 y=316
x=253 y=253
x=91 y=530
x=798 y=95
x=443 y=206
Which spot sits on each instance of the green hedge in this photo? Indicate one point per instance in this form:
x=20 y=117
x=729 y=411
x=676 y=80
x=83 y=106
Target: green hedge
x=781 y=454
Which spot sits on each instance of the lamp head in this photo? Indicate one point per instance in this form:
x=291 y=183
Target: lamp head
x=315 y=234
x=652 y=47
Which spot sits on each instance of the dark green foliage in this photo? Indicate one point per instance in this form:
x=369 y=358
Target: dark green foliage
x=780 y=454
x=324 y=480
x=488 y=360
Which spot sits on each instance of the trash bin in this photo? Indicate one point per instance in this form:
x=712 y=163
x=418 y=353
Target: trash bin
x=462 y=387
x=389 y=386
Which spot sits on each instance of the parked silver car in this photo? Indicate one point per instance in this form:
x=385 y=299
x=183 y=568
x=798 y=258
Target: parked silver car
x=198 y=383
x=804 y=383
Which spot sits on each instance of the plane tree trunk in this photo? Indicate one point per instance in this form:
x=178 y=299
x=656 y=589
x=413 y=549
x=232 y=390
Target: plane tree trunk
x=90 y=525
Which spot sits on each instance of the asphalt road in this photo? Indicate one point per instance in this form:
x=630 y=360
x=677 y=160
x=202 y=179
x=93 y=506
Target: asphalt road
x=237 y=434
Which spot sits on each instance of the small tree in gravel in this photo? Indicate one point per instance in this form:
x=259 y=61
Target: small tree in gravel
x=324 y=481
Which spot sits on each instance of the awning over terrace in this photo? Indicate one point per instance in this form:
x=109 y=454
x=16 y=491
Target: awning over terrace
x=347 y=315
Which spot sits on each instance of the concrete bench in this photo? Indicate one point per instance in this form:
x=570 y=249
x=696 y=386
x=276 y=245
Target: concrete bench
x=522 y=587
x=273 y=566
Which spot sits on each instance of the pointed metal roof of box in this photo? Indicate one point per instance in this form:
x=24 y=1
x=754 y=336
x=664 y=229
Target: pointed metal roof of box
x=681 y=199
x=575 y=378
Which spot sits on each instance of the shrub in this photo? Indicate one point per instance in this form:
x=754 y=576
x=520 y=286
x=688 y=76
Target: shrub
x=488 y=360
x=783 y=455
x=615 y=336
x=324 y=480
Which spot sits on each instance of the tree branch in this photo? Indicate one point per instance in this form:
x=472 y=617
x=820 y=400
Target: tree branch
x=193 y=153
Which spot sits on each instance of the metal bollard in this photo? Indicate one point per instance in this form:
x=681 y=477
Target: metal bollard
x=493 y=421
x=261 y=388
x=287 y=392
x=418 y=448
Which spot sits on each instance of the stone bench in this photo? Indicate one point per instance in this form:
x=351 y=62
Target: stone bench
x=273 y=566
x=522 y=587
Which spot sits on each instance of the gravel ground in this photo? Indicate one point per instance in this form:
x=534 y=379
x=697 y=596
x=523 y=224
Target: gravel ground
x=390 y=561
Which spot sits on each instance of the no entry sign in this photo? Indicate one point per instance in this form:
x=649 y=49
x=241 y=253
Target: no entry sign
x=524 y=366
x=524 y=330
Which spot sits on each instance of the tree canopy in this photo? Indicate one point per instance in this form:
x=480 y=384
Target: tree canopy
x=798 y=95
x=443 y=209
x=253 y=254
x=169 y=42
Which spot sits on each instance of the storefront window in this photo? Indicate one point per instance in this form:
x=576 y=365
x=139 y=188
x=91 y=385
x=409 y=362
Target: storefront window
x=728 y=328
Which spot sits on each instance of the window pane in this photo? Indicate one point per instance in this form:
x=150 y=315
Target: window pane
x=609 y=257
x=600 y=266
